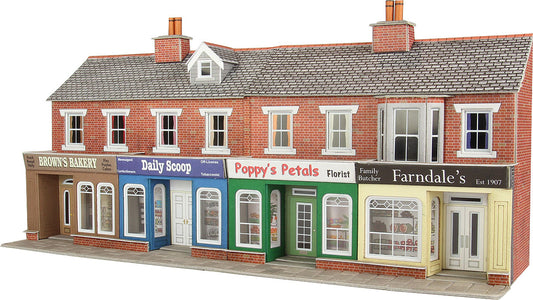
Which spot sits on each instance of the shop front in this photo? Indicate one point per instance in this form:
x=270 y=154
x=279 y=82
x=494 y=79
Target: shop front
x=291 y=208
x=419 y=220
x=173 y=201
x=73 y=195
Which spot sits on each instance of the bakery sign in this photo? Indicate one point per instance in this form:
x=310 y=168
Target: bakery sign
x=70 y=162
x=437 y=175
x=267 y=169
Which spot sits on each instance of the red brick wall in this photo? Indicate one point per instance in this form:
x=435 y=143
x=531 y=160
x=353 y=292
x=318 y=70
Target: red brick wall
x=219 y=254
x=171 y=49
x=111 y=244
x=419 y=273
x=503 y=129
x=248 y=257
x=521 y=193
x=392 y=38
x=32 y=236
x=498 y=279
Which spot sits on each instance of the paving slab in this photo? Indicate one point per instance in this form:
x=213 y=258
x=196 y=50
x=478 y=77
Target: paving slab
x=437 y=286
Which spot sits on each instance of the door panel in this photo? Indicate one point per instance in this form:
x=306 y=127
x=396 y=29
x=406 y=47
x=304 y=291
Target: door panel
x=300 y=232
x=181 y=218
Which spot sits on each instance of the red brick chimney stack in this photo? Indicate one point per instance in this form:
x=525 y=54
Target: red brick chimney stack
x=395 y=34
x=173 y=47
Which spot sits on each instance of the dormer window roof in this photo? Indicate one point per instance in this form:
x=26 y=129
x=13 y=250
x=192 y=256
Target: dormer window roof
x=211 y=63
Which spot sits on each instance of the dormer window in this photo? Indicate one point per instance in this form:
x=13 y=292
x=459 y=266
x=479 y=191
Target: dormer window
x=204 y=69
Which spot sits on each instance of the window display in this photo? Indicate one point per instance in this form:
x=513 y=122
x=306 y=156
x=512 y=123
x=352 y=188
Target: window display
x=249 y=219
x=134 y=211
x=105 y=208
x=159 y=211
x=435 y=211
x=337 y=213
x=393 y=228
x=209 y=216
x=85 y=207
x=275 y=220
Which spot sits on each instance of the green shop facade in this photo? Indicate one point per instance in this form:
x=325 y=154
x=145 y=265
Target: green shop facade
x=292 y=208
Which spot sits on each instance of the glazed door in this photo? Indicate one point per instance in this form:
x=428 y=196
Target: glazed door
x=465 y=238
x=301 y=233
x=182 y=218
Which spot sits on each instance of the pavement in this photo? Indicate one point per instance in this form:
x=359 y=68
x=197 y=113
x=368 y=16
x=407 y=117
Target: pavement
x=435 y=285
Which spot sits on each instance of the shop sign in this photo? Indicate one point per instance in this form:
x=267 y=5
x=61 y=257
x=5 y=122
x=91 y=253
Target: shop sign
x=172 y=167
x=316 y=171
x=66 y=162
x=436 y=175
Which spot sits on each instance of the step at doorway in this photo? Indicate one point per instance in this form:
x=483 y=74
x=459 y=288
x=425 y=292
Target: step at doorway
x=295 y=261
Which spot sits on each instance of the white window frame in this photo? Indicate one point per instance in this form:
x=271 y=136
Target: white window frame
x=163 y=210
x=200 y=62
x=325 y=227
x=368 y=232
x=386 y=131
x=347 y=110
x=158 y=113
x=126 y=213
x=109 y=113
x=80 y=184
x=276 y=110
x=481 y=108
x=208 y=113
x=199 y=239
x=98 y=209
x=67 y=113
x=238 y=217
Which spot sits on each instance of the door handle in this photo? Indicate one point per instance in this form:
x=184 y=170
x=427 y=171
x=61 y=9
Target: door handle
x=467 y=241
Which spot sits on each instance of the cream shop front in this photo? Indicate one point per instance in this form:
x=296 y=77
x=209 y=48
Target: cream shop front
x=420 y=219
x=296 y=208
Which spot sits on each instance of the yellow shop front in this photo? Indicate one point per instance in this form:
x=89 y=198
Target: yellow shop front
x=431 y=218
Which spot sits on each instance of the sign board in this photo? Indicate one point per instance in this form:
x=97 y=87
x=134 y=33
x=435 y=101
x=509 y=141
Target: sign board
x=435 y=175
x=170 y=167
x=267 y=169
x=70 y=162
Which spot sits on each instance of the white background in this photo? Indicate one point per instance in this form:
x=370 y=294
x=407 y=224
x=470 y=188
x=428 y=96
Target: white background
x=43 y=42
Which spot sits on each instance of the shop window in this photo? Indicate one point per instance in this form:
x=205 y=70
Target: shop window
x=167 y=130
x=435 y=215
x=134 y=211
x=280 y=129
x=248 y=217
x=159 y=210
x=106 y=209
x=393 y=228
x=116 y=129
x=337 y=228
x=338 y=129
x=410 y=132
x=209 y=216
x=216 y=132
x=476 y=125
x=275 y=219
x=85 y=207
x=73 y=129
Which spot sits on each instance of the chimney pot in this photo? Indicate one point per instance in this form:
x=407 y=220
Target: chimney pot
x=171 y=26
x=389 y=10
x=398 y=10
x=177 y=26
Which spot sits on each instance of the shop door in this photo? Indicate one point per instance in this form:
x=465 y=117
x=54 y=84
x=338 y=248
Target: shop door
x=182 y=218
x=301 y=233
x=465 y=238
x=65 y=199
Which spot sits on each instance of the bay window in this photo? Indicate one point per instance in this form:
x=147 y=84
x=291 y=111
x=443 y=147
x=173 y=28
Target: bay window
x=208 y=216
x=248 y=218
x=393 y=228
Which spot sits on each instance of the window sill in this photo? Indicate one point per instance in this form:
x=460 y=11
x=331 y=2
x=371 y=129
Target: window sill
x=350 y=152
x=115 y=148
x=223 y=151
x=289 y=151
x=73 y=147
x=175 y=150
x=490 y=154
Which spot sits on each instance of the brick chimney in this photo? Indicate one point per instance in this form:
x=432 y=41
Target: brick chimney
x=395 y=34
x=173 y=47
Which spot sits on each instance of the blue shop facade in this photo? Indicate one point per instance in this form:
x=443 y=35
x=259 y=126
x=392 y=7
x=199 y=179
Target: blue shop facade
x=173 y=201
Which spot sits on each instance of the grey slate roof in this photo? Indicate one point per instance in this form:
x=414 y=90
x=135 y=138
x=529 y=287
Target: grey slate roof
x=486 y=65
